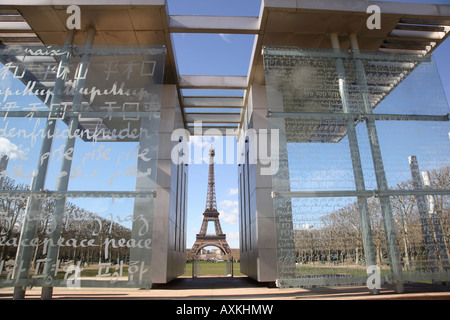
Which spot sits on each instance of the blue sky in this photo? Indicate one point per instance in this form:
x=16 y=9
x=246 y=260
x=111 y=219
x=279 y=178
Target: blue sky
x=231 y=57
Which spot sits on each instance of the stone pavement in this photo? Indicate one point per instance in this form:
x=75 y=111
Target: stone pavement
x=237 y=288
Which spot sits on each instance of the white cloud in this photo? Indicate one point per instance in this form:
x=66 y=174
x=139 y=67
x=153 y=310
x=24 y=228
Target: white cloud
x=232 y=192
x=198 y=141
x=228 y=204
x=199 y=148
x=229 y=211
x=233 y=236
x=10 y=149
x=225 y=37
x=231 y=218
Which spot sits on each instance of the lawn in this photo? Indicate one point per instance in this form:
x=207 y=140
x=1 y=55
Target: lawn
x=212 y=268
x=207 y=269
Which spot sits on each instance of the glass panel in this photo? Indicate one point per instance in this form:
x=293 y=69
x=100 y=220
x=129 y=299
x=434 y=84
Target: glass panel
x=356 y=130
x=413 y=94
x=428 y=141
x=328 y=241
x=320 y=166
x=80 y=130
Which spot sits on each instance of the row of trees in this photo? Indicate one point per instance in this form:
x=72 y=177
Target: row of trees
x=78 y=224
x=338 y=239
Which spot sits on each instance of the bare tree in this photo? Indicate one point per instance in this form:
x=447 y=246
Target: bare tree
x=11 y=214
x=403 y=208
x=440 y=179
x=78 y=224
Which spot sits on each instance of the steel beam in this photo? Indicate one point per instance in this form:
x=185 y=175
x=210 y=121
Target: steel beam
x=213 y=82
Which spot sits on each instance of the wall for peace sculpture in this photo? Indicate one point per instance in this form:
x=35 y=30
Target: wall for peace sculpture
x=79 y=143
x=362 y=183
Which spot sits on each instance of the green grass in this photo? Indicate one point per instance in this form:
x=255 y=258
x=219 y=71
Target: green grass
x=207 y=269
x=212 y=269
x=93 y=272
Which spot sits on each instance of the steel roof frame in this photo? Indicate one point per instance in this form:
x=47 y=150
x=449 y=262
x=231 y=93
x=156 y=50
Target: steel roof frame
x=406 y=28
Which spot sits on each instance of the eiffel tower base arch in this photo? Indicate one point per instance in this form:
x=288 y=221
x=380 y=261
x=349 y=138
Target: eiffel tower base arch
x=211 y=241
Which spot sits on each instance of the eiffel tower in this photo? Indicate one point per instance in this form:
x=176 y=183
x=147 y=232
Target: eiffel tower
x=211 y=214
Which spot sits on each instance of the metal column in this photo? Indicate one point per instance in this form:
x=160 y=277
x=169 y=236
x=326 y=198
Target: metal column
x=369 y=250
x=380 y=174
x=29 y=227
x=63 y=180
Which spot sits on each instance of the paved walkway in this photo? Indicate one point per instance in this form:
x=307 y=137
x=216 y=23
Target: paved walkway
x=238 y=288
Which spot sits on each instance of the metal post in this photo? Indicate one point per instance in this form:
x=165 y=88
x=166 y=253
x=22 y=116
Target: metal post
x=63 y=180
x=29 y=227
x=380 y=174
x=232 y=267
x=366 y=229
